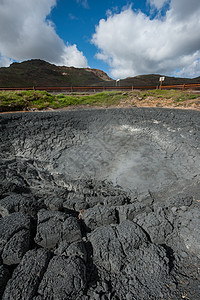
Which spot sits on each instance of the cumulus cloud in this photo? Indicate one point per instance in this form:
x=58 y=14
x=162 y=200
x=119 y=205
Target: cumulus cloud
x=26 y=33
x=132 y=43
x=72 y=56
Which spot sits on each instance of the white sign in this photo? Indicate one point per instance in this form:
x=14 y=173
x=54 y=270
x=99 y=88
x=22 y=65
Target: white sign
x=162 y=79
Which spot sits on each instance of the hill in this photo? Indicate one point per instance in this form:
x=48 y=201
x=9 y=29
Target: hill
x=153 y=80
x=39 y=73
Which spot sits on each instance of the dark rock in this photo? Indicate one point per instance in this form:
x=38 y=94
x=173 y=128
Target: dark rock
x=13 y=227
x=111 y=243
x=16 y=203
x=54 y=204
x=65 y=278
x=131 y=236
x=130 y=211
x=4 y=276
x=99 y=216
x=16 y=247
x=54 y=227
x=92 y=201
x=49 y=228
x=76 y=203
x=116 y=200
x=71 y=230
x=38 y=298
x=181 y=199
x=188 y=224
x=123 y=251
x=155 y=224
x=107 y=249
x=146 y=274
x=26 y=277
x=76 y=249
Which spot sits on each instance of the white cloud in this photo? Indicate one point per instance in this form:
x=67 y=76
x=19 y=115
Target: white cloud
x=132 y=43
x=192 y=70
x=158 y=3
x=26 y=33
x=73 y=57
x=5 y=61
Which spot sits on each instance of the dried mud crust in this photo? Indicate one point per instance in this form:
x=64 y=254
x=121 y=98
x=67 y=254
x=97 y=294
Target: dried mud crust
x=100 y=204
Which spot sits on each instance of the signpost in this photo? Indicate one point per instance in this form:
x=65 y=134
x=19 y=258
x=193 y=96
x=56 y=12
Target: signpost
x=118 y=80
x=161 y=80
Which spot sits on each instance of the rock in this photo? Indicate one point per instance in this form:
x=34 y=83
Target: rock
x=76 y=249
x=107 y=249
x=54 y=204
x=76 y=203
x=115 y=200
x=38 y=298
x=49 y=228
x=99 y=216
x=54 y=227
x=25 y=279
x=111 y=243
x=130 y=211
x=16 y=247
x=146 y=274
x=64 y=278
x=92 y=201
x=4 y=276
x=134 y=265
x=13 y=227
x=17 y=203
x=131 y=236
x=189 y=230
x=71 y=230
x=156 y=225
x=181 y=199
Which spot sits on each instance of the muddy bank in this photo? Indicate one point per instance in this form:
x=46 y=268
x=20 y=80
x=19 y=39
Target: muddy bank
x=100 y=204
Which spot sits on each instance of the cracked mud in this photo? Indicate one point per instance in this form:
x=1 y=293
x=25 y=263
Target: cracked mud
x=100 y=204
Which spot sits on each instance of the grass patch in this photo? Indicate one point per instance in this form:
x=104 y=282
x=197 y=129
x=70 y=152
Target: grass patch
x=104 y=98
x=28 y=100
x=24 y=100
x=167 y=94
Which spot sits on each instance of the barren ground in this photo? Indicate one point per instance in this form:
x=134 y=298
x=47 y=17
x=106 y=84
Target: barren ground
x=100 y=204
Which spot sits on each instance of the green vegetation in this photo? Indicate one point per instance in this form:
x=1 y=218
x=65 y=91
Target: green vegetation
x=24 y=100
x=168 y=94
x=30 y=100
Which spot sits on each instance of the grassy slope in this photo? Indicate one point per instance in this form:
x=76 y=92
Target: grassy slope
x=38 y=100
x=40 y=73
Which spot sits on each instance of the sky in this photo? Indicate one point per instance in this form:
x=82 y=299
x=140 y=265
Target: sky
x=123 y=38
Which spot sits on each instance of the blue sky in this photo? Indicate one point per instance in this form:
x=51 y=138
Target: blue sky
x=76 y=20
x=123 y=38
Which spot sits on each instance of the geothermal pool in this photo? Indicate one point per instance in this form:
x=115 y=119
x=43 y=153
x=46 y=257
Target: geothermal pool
x=105 y=201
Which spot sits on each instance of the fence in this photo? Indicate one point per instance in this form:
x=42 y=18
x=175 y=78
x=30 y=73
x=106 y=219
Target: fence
x=103 y=88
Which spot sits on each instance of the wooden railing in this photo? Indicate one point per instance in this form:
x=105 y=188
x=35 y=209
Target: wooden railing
x=103 y=88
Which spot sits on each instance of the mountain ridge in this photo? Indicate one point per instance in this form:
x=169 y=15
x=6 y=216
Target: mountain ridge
x=39 y=73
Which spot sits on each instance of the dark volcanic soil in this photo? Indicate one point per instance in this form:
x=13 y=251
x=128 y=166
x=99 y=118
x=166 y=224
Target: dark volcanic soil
x=100 y=204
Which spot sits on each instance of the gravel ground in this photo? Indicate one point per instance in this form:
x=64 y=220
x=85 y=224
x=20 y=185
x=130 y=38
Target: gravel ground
x=100 y=204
